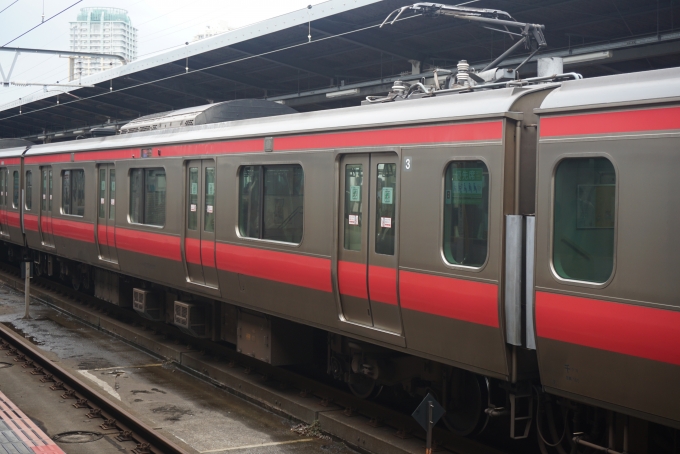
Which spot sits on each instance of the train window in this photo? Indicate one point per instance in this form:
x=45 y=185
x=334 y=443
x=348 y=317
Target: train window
x=584 y=219
x=354 y=179
x=209 y=199
x=385 y=214
x=271 y=202
x=192 y=215
x=73 y=192
x=466 y=213
x=147 y=196
x=15 y=196
x=29 y=189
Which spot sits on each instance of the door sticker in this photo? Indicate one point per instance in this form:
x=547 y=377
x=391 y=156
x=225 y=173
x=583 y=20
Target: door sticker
x=355 y=193
x=353 y=219
x=193 y=207
x=386 y=223
x=113 y=202
x=209 y=208
x=102 y=201
x=211 y=188
x=194 y=188
x=387 y=196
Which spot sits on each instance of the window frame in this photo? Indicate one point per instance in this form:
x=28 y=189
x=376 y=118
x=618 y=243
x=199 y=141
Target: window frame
x=237 y=227
x=61 y=175
x=442 y=205
x=129 y=188
x=551 y=236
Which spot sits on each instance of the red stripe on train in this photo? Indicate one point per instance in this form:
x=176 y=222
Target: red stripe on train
x=13 y=219
x=155 y=244
x=192 y=250
x=470 y=301
x=81 y=231
x=352 y=279
x=10 y=161
x=491 y=130
x=294 y=269
x=31 y=222
x=382 y=284
x=213 y=148
x=611 y=122
x=622 y=328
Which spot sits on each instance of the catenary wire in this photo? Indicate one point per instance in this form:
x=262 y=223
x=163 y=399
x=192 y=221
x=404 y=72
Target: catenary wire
x=250 y=57
x=9 y=5
x=41 y=23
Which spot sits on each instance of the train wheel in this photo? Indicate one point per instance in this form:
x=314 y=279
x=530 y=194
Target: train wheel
x=465 y=414
x=364 y=387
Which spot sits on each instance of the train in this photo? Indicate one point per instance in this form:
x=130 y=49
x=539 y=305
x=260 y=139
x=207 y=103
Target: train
x=500 y=247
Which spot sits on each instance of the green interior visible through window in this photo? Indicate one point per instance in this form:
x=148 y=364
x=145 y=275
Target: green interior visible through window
x=584 y=219
x=466 y=213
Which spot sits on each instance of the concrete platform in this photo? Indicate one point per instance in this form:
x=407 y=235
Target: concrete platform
x=200 y=416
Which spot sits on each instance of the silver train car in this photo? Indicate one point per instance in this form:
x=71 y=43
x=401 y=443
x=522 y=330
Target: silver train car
x=513 y=242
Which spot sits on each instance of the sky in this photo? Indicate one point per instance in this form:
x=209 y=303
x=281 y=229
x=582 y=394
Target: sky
x=161 y=24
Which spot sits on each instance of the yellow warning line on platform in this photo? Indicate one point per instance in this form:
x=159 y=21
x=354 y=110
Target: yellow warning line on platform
x=261 y=445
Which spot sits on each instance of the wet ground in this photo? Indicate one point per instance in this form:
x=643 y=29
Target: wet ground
x=206 y=418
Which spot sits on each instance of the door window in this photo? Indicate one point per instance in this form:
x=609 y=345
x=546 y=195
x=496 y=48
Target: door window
x=112 y=194
x=385 y=219
x=209 y=199
x=43 y=195
x=29 y=190
x=466 y=213
x=15 y=198
x=192 y=215
x=102 y=192
x=584 y=219
x=354 y=180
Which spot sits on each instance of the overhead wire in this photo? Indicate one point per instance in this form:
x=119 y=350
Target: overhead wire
x=8 y=6
x=43 y=22
x=249 y=57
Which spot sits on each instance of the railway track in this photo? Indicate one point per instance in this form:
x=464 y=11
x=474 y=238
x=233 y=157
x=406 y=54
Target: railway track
x=89 y=310
x=66 y=385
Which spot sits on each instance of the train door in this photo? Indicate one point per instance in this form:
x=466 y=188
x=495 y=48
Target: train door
x=106 y=214
x=367 y=261
x=46 y=207
x=199 y=242
x=4 y=177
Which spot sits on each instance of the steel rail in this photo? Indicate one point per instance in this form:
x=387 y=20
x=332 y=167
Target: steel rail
x=130 y=426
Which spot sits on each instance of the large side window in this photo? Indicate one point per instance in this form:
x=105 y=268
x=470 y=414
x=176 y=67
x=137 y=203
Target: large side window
x=147 y=196
x=584 y=219
x=73 y=192
x=271 y=202
x=15 y=195
x=29 y=189
x=466 y=213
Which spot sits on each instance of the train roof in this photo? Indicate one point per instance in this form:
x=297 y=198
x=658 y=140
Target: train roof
x=610 y=91
x=468 y=106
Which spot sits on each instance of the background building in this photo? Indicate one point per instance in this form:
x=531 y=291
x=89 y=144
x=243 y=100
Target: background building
x=101 y=30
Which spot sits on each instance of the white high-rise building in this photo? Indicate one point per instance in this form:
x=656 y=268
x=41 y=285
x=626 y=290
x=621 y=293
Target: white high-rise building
x=104 y=31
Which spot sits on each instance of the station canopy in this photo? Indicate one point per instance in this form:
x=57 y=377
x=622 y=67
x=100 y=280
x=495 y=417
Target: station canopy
x=334 y=54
